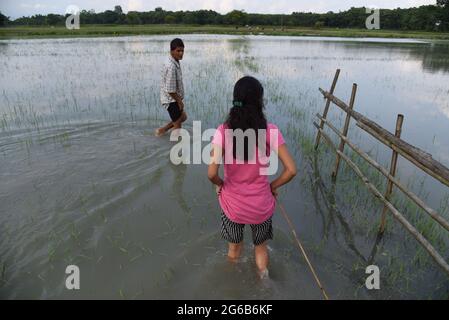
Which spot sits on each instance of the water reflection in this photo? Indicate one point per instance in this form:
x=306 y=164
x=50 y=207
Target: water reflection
x=327 y=196
x=435 y=57
x=3 y=48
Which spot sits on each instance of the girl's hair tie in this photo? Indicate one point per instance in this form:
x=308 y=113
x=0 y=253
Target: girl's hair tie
x=237 y=103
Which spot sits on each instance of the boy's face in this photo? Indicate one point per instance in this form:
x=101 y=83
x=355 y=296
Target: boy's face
x=178 y=53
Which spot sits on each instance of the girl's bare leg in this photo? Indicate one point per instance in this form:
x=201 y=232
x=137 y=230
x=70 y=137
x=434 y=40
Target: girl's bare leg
x=235 y=251
x=261 y=254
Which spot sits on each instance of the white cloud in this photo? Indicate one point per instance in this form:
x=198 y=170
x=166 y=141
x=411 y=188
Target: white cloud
x=134 y=5
x=33 y=6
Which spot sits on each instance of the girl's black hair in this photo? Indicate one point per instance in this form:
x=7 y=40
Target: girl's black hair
x=247 y=111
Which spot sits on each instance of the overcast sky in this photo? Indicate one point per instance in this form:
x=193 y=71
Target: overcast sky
x=18 y=8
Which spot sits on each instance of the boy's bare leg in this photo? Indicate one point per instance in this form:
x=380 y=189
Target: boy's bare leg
x=234 y=252
x=163 y=130
x=183 y=117
x=178 y=123
x=261 y=253
x=174 y=125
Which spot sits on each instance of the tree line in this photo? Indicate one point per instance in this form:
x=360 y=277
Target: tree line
x=426 y=18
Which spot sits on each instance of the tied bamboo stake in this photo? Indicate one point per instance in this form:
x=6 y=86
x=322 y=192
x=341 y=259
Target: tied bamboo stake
x=345 y=131
x=393 y=167
x=284 y=213
x=326 y=108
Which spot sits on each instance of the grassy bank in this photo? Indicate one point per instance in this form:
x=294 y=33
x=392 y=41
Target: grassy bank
x=126 y=30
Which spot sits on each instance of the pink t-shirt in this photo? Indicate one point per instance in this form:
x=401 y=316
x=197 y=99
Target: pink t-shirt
x=246 y=196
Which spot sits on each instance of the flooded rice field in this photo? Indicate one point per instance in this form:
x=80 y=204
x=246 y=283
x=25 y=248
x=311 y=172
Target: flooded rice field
x=84 y=181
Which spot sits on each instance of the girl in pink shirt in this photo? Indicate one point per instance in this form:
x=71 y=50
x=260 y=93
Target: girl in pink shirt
x=244 y=143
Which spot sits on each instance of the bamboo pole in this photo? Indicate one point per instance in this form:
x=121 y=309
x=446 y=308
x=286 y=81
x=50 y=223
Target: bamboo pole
x=326 y=108
x=393 y=167
x=415 y=233
x=432 y=213
x=416 y=161
x=345 y=131
x=418 y=157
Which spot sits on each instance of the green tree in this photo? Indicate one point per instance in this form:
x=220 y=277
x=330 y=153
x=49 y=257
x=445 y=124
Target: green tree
x=133 y=18
x=158 y=16
x=108 y=17
x=444 y=14
x=236 y=17
x=88 y=17
x=118 y=9
x=169 y=19
x=206 y=17
x=121 y=18
x=54 y=19
x=430 y=17
x=4 y=20
x=318 y=25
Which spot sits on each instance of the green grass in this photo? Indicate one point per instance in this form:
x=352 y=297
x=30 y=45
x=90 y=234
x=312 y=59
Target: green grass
x=125 y=30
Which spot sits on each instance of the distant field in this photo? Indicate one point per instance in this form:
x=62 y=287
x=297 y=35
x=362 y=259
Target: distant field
x=124 y=30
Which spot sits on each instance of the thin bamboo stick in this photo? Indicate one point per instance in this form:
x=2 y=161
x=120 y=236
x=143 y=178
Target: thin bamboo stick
x=284 y=213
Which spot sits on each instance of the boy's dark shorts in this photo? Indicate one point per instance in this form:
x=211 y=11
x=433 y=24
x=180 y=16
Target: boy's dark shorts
x=174 y=111
x=233 y=232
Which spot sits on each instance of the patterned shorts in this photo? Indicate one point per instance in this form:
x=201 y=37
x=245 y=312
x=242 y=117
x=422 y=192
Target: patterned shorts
x=233 y=232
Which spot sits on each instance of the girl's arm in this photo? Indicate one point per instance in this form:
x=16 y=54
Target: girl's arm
x=289 y=169
x=212 y=171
